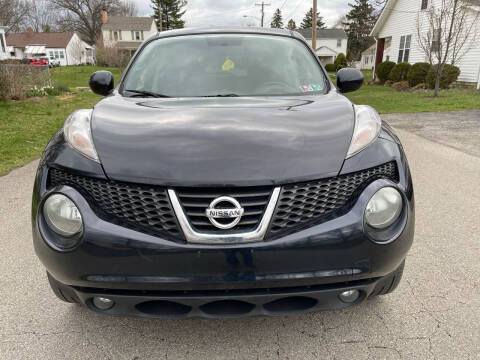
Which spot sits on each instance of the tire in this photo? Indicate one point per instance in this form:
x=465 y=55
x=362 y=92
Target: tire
x=62 y=291
x=389 y=283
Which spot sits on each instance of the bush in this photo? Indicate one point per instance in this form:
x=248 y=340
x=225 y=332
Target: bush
x=417 y=74
x=384 y=69
x=340 y=62
x=400 y=72
x=331 y=67
x=4 y=87
x=449 y=75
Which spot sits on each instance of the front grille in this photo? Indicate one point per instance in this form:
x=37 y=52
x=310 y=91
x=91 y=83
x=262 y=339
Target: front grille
x=310 y=203
x=143 y=207
x=195 y=201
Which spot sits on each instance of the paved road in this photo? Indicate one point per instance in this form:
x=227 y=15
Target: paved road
x=435 y=313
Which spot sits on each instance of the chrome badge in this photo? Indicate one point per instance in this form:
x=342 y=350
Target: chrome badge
x=235 y=212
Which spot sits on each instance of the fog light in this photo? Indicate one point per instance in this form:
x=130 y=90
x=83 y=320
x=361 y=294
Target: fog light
x=62 y=215
x=349 y=296
x=102 y=303
x=384 y=208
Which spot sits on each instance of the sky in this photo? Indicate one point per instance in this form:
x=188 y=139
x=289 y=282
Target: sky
x=231 y=12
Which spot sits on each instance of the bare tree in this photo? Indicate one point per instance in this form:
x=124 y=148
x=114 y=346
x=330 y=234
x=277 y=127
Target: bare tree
x=42 y=16
x=340 y=22
x=126 y=8
x=14 y=14
x=84 y=16
x=445 y=33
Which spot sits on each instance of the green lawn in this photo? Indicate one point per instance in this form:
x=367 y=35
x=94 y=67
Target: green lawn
x=77 y=76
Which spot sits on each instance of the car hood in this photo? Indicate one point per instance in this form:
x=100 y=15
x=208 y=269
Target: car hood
x=222 y=141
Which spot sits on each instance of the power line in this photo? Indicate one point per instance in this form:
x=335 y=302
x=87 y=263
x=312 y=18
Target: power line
x=295 y=9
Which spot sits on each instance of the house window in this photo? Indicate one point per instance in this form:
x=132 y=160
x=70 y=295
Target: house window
x=57 y=55
x=339 y=43
x=424 y=4
x=62 y=55
x=51 y=54
x=404 y=50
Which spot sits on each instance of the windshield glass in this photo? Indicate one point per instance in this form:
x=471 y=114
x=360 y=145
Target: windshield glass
x=224 y=65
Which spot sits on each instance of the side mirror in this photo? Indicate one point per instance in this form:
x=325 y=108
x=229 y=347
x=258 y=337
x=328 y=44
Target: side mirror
x=101 y=82
x=349 y=80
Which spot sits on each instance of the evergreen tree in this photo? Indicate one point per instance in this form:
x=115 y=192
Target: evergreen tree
x=291 y=25
x=277 y=22
x=360 y=21
x=308 y=21
x=171 y=13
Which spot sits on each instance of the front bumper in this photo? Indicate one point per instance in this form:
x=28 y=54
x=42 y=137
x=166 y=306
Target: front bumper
x=316 y=263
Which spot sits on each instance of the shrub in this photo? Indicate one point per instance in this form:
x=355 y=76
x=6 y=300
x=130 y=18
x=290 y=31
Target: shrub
x=388 y=83
x=449 y=75
x=400 y=72
x=331 y=67
x=384 y=69
x=417 y=74
x=340 y=62
x=4 y=87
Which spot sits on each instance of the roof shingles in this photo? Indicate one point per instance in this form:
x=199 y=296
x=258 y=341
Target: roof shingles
x=324 y=33
x=50 y=40
x=128 y=23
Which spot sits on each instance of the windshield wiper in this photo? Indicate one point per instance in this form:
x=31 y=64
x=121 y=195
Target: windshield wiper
x=146 y=93
x=223 y=95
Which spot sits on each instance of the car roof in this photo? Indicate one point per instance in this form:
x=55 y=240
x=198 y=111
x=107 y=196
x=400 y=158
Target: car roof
x=229 y=29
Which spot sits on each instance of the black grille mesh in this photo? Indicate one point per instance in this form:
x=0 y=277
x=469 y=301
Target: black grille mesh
x=144 y=207
x=305 y=204
x=148 y=208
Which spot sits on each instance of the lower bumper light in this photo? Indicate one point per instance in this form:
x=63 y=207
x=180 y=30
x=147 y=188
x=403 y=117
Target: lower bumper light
x=102 y=303
x=349 y=296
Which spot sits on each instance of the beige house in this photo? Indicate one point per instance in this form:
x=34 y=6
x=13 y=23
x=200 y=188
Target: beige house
x=126 y=32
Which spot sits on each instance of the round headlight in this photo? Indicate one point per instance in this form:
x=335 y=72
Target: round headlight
x=62 y=215
x=384 y=208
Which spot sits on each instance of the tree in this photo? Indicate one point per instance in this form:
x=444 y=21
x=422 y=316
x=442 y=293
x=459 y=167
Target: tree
x=360 y=22
x=14 y=14
x=169 y=13
x=126 y=8
x=277 y=22
x=445 y=33
x=84 y=16
x=340 y=22
x=308 y=21
x=291 y=25
x=41 y=16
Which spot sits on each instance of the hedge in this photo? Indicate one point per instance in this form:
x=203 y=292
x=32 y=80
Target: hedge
x=449 y=75
x=399 y=72
x=341 y=61
x=331 y=67
x=384 y=69
x=418 y=74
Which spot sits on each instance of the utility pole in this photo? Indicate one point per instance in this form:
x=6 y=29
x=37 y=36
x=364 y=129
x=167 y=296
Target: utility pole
x=314 y=26
x=160 y=16
x=263 y=4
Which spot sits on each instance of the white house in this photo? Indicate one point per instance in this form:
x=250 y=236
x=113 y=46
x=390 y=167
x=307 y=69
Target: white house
x=330 y=43
x=126 y=32
x=3 y=43
x=67 y=47
x=397 y=39
x=367 y=61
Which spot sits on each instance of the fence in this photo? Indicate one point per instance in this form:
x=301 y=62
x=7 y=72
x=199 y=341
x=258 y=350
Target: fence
x=20 y=78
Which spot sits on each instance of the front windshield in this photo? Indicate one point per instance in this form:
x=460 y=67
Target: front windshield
x=224 y=65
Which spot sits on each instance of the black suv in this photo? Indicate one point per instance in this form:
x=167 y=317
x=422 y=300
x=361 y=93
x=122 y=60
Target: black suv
x=224 y=176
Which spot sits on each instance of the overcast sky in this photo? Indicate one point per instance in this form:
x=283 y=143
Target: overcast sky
x=231 y=12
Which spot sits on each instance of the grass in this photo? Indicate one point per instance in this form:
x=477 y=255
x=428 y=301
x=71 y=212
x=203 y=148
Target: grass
x=77 y=76
x=26 y=126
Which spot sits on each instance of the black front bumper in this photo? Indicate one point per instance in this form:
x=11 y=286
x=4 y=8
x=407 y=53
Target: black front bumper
x=232 y=303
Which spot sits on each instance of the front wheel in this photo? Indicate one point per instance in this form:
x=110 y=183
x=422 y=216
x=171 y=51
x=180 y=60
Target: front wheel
x=389 y=283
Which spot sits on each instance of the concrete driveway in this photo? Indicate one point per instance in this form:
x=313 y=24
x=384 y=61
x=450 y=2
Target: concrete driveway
x=434 y=314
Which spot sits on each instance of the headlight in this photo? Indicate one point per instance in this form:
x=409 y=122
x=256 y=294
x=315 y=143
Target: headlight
x=367 y=128
x=62 y=215
x=384 y=208
x=78 y=133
